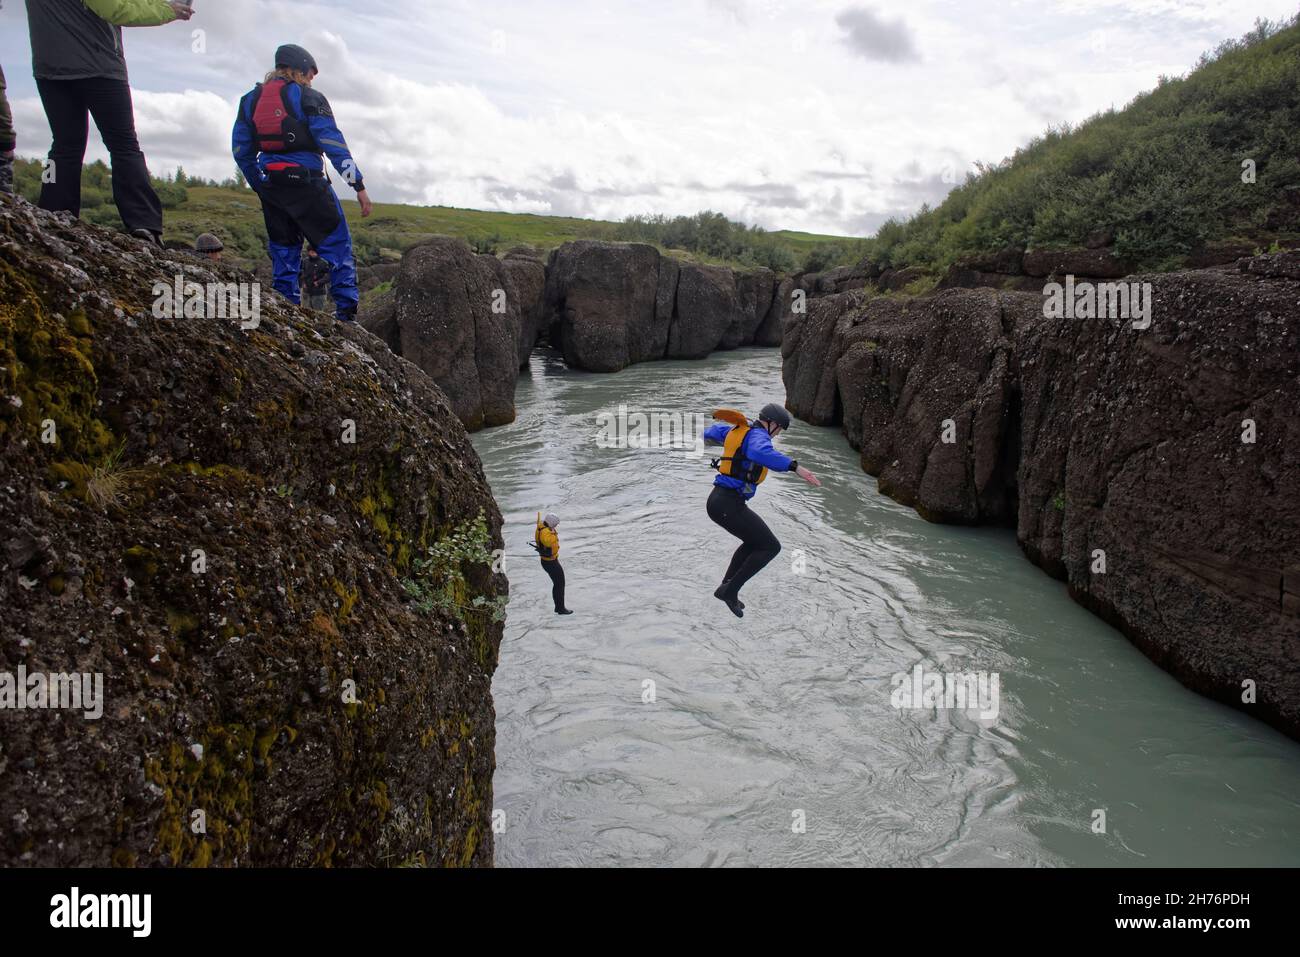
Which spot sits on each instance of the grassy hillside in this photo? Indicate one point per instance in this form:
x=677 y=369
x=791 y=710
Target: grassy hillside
x=233 y=212
x=1161 y=178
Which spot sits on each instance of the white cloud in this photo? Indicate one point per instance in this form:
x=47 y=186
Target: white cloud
x=756 y=108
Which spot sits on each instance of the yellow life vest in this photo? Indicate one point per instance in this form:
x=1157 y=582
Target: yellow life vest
x=548 y=543
x=733 y=463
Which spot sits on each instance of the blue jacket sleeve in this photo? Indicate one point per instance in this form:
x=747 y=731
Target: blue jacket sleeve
x=716 y=434
x=758 y=448
x=320 y=117
x=245 y=147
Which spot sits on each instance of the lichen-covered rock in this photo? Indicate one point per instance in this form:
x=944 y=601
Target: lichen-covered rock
x=1156 y=471
x=221 y=522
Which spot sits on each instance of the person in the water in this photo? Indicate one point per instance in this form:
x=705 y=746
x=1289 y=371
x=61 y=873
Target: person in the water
x=747 y=457
x=547 y=544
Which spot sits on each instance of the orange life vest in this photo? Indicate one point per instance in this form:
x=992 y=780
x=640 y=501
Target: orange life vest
x=733 y=462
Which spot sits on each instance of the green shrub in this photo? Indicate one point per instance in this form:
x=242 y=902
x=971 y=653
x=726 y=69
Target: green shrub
x=1163 y=176
x=438 y=583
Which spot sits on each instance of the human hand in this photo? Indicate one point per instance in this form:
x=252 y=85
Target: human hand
x=367 y=207
x=808 y=477
x=182 y=10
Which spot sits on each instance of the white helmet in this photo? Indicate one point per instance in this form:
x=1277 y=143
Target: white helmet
x=551 y=520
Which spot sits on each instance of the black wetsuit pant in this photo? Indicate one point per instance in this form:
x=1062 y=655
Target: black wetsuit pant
x=69 y=105
x=557 y=581
x=758 y=546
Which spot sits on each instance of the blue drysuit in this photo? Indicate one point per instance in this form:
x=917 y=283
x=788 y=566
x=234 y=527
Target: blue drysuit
x=757 y=447
x=297 y=200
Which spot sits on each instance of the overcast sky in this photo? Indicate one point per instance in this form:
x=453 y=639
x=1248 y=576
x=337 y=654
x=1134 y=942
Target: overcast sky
x=821 y=115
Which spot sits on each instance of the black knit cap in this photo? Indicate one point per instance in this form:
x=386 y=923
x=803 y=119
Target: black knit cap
x=295 y=58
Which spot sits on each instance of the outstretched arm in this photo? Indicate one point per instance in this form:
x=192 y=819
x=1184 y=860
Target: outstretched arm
x=716 y=434
x=761 y=451
x=138 y=13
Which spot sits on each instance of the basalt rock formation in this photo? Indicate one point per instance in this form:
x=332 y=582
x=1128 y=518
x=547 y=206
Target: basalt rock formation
x=529 y=275
x=472 y=321
x=458 y=317
x=226 y=524
x=1155 y=471
x=613 y=305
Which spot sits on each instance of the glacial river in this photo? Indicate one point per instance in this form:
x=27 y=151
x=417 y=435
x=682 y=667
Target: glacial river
x=776 y=740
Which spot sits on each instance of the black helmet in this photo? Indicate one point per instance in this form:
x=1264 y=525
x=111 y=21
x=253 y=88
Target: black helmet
x=776 y=414
x=295 y=58
x=208 y=243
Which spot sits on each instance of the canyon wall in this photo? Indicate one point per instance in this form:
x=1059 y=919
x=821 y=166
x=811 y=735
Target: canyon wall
x=1157 y=472
x=471 y=321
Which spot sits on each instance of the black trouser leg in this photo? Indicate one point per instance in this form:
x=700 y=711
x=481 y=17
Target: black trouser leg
x=557 y=582
x=69 y=124
x=758 y=545
x=737 y=559
x=109 y=102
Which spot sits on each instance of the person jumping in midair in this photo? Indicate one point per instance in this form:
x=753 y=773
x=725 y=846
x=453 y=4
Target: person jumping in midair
x=747 y=457
x=547 y=544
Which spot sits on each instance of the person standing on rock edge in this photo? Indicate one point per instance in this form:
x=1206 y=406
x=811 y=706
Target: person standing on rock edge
x=8 y=140
x=282 y=134
x=80 y=70
x=747 y=457
x=547 y=544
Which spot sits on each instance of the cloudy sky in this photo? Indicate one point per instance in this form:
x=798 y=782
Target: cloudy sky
x=821 y=115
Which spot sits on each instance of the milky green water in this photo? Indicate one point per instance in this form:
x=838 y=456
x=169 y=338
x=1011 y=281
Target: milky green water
x=775 y=740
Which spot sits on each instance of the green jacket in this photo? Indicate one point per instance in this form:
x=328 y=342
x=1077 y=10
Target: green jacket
x=80 y=39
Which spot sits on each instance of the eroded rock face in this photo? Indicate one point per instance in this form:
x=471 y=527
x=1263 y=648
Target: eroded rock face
x=458 y=318
x=707 y=306
x=619 y=304
x=221 y=527
x=1099 y=442
x=529 y=277
x=598 y=294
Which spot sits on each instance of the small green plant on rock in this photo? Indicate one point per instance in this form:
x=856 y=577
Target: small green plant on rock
x=437 y=581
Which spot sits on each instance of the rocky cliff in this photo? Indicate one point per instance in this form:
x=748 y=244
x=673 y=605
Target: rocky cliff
x=613 y=305
x=1156 y=471
x=458 y=317
x=227 y=525
x=471 y=321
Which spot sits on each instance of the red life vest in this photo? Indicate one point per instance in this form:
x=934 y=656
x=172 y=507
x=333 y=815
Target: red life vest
x=275 y=128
